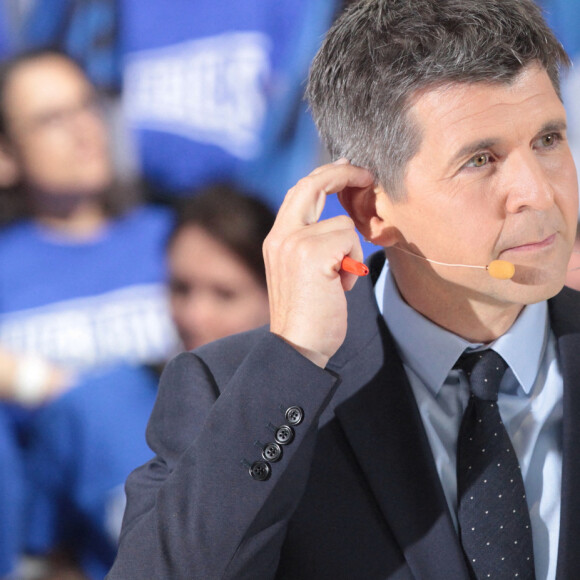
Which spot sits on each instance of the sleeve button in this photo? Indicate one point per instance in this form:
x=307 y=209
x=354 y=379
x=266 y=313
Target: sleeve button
x=294 y=415
x=284 y=435
x=260 y=470
x=272 y=452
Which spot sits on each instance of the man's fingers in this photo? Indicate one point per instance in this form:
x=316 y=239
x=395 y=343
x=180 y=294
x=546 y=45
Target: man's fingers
x=293 y=241
x=303 y=258
x=320 y=247
x=304 y=203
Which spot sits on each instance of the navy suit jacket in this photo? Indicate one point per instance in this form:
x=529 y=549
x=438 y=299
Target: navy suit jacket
x=355 y=495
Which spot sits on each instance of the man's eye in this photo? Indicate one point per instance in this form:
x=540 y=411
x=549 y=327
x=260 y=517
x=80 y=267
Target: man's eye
x=549 y=140
x=478 y=160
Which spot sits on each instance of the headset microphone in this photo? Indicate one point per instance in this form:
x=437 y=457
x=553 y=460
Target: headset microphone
x=500 y=269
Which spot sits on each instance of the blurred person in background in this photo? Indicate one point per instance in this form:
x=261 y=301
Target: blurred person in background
x=82 y=268
x=216 y=270
x=84 y=444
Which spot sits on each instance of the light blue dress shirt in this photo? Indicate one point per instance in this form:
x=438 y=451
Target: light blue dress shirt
x=530 y=403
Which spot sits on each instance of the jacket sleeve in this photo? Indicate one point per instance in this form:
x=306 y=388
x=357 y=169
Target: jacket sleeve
x=195 y=510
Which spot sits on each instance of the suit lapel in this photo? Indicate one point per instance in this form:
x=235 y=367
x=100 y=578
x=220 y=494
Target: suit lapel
x=565 y=321
x=381 y=421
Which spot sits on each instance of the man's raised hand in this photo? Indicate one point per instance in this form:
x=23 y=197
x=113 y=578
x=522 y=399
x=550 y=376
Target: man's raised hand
x=303 y=256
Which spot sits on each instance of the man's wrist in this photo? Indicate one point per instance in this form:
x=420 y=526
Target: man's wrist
x=313 y=356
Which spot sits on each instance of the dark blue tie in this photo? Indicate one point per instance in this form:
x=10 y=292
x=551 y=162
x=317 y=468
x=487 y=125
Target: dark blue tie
x=494 y=522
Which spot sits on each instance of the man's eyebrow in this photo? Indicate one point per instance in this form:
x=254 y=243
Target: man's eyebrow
x=555 y=126
x=470 y=149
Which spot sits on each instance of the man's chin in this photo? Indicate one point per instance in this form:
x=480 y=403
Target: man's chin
x=535 y=286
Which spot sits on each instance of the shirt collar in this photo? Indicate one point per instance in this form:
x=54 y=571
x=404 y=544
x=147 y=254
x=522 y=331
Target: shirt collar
x=431 y=351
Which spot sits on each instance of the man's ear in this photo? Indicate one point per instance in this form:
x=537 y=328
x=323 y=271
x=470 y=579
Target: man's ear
x=9 y=172
x=369 y=209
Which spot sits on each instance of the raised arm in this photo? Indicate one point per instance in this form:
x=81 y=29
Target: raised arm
x=214 y=503
x=303 y=262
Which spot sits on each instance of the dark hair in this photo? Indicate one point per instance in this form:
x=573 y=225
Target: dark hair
x=380 y=53
x=235 y=218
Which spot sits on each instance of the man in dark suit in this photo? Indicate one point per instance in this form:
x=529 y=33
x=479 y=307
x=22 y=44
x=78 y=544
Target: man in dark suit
x=326 y=445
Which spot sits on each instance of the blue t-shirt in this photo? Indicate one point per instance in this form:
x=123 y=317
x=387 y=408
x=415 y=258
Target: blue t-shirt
x=81 y=449
x=90 y=303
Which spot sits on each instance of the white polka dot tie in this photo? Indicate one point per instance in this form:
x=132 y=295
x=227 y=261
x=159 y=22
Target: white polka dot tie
x=494 y=521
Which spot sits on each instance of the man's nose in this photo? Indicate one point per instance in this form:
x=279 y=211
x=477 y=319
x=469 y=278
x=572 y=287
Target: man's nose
x=528 y=185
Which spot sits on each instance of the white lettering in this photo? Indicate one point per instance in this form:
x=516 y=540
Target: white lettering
x=132 y=324
x=210 y=90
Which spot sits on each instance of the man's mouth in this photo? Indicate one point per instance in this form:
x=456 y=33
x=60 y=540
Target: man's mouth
x=532 y=246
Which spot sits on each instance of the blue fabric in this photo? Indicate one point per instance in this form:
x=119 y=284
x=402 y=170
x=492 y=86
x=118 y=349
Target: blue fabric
x=82 y=448
x=85 y=304
x=10 y=27
x=11 y=498
x=5 y=44
x=280 y=144
x=86 y=29
x=562 y=16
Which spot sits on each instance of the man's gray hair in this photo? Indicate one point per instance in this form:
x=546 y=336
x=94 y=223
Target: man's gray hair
x=380 y=53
